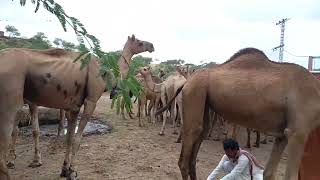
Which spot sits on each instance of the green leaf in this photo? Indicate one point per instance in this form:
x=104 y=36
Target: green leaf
x=85 y=61
x=118 y=101
x=38 y=5
x=80 y=55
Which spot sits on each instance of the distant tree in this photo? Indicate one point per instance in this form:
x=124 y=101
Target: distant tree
x=40 y=41
x=174 y=62
x=13 y=32
x=57 y=42
x=146 y=60
x=169 y=65
x=64 y=44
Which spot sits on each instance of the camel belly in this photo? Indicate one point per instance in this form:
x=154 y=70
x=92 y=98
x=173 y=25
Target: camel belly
x=249 y=101
x=54 y=91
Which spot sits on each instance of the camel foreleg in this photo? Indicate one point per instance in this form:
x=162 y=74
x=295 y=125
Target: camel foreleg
x=35 y=132
x=61 y=122
x=296 y=143
x=274 y=158
x=72 y=122
x=89 y=107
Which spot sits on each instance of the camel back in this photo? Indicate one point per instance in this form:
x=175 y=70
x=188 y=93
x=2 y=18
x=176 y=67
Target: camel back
x=51 y=78
x=249 y=86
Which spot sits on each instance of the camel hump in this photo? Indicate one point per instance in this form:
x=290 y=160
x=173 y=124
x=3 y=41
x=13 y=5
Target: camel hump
x=57 y=52
x=247 y=51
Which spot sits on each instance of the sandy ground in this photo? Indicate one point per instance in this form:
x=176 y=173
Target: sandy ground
x=128 y=152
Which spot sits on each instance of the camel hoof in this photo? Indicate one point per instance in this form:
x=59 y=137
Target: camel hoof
x=216 y=139
x=264 y=142
x=141 y=125
x=35 y=164
x=10 y=165
x=249 y=147
x=64 y=172
x=161 y=133
x=178 y=141
x=73 y=176
x=175 y=132
x=256 y=145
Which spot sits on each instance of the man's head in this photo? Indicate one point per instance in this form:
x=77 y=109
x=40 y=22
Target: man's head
x=231 y=148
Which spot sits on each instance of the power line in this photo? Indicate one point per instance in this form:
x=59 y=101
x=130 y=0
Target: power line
x=300 y=55
x=293 y=54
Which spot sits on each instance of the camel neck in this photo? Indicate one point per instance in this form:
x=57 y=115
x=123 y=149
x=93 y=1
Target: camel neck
x=124 y=62
x=151 y=85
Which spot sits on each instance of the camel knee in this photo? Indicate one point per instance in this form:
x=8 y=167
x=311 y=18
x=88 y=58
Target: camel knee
x=287 y=132
x=183 y=169
x=4 y=173
x=268 y=175
x=35 y=133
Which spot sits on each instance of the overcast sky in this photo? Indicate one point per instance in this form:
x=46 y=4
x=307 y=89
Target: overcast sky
x=193 y=30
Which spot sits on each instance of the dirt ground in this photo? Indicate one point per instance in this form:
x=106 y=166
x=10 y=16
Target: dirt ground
x=128 y=152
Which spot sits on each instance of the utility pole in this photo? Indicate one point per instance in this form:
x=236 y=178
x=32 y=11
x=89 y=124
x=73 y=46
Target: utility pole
x=281 y=46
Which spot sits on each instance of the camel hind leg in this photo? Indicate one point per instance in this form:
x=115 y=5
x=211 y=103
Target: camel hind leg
x=257 y=143
x=248 y=138
x=194 y=100
x=5 y=133
x=8 y=112
x=12 y=147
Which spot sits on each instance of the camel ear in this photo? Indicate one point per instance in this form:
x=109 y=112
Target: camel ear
x=133 y=37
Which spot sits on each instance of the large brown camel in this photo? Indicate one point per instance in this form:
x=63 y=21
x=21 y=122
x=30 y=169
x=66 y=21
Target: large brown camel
x=50 y=78
x=253 y=91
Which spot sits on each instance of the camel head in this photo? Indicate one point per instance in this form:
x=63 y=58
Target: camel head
x=161 y=73
x=145 y=71
x=136 y=46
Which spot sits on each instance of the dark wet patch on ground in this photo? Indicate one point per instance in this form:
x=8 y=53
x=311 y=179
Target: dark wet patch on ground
x=97 y=125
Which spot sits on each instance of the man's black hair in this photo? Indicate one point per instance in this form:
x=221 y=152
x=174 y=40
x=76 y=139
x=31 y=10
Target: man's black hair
x=230 y=144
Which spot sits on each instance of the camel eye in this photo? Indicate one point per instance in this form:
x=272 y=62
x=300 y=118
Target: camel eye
x=140 y=44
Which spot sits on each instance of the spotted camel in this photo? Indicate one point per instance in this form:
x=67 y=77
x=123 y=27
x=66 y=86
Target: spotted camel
x=50 y=78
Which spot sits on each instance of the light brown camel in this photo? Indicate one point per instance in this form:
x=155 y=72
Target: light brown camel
x=170 y=84
x=50 y=78
x=155 y=90
x=36 y=133
x=145 y=96
x=115 y=89
x=250 y=90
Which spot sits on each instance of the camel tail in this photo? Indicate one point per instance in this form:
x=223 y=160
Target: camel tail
x=169 y=102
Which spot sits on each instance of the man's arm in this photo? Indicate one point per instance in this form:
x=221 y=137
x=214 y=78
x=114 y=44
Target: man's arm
x=218 y=169
x=243 y=163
